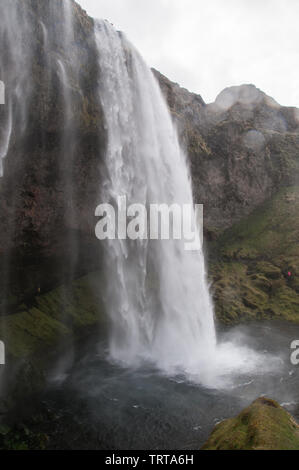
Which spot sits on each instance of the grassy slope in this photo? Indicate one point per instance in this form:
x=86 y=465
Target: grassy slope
x=264 y=425
x=250 y=262
x=53 y=316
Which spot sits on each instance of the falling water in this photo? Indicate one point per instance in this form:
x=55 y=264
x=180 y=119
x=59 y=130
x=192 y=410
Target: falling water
x=17 y=62
x=157 y=293
x=15 y=72
x=39 y=67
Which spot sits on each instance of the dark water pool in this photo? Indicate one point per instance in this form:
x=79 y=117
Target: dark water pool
x=115 y=408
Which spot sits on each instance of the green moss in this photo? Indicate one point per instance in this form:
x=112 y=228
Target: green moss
x=25 y=332
x=250 y=263
x=263 y=425
x=53 y=316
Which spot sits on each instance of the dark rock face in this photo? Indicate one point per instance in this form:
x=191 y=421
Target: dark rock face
x=242 y=148
x=50 y=186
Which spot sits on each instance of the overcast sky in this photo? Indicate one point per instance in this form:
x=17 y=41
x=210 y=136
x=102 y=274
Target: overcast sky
x=207 y=45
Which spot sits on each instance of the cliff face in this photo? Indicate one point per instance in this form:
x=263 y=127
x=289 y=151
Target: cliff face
x=50 y=186
x=242 y=148
x=244 y=156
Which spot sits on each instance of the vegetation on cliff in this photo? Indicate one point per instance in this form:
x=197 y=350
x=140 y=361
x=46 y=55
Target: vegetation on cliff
x=53 y=316
x=254 y=266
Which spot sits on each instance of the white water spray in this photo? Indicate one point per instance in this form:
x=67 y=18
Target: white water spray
x=157 y=295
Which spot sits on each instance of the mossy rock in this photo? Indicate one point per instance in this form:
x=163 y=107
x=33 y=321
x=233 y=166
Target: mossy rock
x=264 y=425
x=53 y=317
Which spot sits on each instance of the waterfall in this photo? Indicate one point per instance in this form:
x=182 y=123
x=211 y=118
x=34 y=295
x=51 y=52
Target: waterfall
x=17 y=61
x=157 y=295
x=15 y=72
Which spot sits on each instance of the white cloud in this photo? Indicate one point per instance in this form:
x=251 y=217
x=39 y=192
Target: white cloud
x=206 y=45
